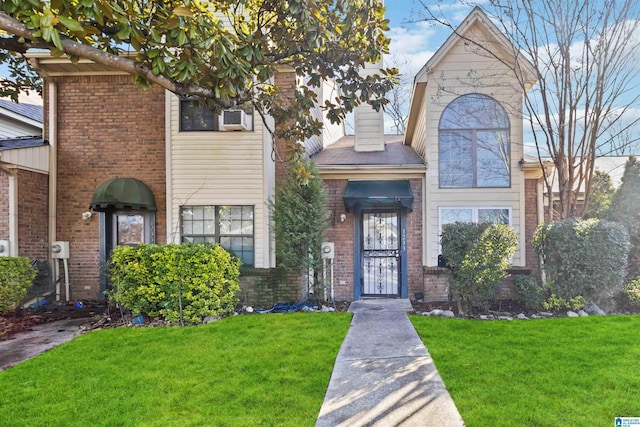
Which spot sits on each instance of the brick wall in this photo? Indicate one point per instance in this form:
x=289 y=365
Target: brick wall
x=4 y=205
x=287 y=82
x=33 y=202
x=107 y=127
x=436 y=284
x=531 y=222
x=414 y=241
x=341 y=233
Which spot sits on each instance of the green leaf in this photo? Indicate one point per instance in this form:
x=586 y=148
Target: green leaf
x=70 y=24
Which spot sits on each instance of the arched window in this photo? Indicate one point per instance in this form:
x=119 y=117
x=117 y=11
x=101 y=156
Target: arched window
x=474 y=143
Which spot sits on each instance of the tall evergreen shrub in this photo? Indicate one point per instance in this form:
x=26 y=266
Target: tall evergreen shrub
x=582 y=257
x=625 y=209
x=300 y=220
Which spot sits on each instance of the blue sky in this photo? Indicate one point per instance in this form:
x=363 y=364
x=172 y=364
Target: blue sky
x=413 y=40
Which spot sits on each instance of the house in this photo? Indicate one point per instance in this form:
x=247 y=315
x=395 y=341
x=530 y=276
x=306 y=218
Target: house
x=24 y=165
x=461 y=159
x=128 y=166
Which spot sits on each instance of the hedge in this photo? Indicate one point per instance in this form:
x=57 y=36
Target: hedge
x=186 y=282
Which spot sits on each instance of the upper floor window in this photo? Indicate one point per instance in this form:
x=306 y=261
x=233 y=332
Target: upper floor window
x=474 y=143
x=197 y=117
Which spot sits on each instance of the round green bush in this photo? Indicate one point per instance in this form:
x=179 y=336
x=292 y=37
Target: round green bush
x=185 y=282
x=582 y=257
x=16 y=275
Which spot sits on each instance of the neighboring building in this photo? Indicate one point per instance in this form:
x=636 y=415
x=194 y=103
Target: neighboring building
x=24 y=165
x=129 y=165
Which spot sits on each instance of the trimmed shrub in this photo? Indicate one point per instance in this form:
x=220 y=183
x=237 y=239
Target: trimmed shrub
x=582 y=257
x=529 y=292
x=184 y=282
x=477 y=257
x=16 y=275
x=555 y=303
x=632 y=290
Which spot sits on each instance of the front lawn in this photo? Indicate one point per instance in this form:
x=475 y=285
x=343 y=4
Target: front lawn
x=240 y=371
x=551 y=372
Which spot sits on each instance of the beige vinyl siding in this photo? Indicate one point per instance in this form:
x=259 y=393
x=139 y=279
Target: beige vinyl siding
x=369 y=128
x=331 y=132
x=13 y=128
x=31 y=158
x=461 y=72
x=221 y=168
x=420 y=136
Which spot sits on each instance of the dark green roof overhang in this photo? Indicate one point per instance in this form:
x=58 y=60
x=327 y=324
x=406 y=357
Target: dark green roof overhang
x=123 y=193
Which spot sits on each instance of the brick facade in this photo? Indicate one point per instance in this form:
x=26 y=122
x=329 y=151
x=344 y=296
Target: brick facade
x=435 y=278
x=107 y=127
x=33 y=202
x=531 y=222
x=342 y=234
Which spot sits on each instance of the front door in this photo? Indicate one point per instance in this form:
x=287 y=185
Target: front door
x=380 y=254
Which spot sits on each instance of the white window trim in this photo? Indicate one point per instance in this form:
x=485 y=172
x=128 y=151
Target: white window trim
x=474 y=219
x=474 y=212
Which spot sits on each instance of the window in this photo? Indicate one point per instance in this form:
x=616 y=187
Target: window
x=474 y=144
x=195 y=117
x=130 y=228
x=469 y=214
x=229 y=226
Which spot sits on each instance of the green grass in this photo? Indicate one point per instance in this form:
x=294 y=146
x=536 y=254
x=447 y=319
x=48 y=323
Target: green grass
x=241 y=371
x=551 y=372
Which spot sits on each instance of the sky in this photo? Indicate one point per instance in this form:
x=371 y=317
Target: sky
x=413 y=40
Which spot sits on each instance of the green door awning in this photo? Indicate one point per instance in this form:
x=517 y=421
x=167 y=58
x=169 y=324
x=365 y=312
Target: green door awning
x=378 y=194
x=123 y=193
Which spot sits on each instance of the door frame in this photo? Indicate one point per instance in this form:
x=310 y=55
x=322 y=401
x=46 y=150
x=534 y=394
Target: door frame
x=358 y=280
x=106 y=225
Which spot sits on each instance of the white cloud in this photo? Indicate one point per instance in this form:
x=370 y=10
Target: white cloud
x=411 y=47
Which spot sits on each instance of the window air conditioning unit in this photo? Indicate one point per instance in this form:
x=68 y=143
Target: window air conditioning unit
x=235 y=120
x=4 y=248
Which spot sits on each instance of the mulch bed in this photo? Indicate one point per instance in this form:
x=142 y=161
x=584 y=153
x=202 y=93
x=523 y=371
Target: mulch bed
x=24 y=320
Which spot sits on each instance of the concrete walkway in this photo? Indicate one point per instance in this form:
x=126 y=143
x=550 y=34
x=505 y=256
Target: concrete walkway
x=384 y=375
x=43 y=337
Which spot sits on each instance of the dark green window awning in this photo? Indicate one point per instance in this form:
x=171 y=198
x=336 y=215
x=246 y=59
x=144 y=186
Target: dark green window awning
x=123 y=193
x=378 y=194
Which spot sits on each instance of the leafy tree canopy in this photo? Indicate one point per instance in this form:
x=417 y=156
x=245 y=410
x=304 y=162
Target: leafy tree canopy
x=223 y=53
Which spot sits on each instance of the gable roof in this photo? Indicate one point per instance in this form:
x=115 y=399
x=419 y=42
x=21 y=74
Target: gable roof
x=477 y=16
x=31 y=112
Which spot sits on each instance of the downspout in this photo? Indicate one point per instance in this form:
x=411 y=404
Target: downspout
x=171 y=236
x=13 y=214
x=53 y=177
